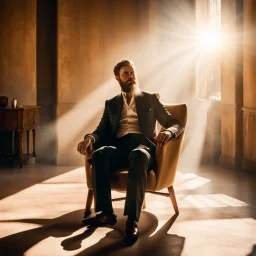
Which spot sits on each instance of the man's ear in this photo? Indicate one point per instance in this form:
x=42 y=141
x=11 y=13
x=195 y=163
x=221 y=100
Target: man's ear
x=117 y=78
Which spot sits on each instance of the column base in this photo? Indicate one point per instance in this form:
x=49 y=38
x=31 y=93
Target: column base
x=248 y=165
x=230 y=162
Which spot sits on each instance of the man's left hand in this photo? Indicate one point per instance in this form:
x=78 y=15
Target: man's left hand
x=163 y=137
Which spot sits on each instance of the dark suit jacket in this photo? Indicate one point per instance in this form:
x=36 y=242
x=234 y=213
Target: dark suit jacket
x=149 y=110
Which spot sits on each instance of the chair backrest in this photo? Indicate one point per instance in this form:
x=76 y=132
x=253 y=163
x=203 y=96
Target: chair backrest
x=179 y=112
x=167 y=158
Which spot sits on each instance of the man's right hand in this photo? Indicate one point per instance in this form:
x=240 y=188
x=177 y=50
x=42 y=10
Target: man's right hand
x=85 y=147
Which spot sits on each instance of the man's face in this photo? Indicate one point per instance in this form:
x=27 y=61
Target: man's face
x=127 y=78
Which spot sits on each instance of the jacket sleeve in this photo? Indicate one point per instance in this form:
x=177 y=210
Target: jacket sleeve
x=165 y=118
x=103 y=126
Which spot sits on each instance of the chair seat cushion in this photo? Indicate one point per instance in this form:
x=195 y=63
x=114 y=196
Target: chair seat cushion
x=119 y=180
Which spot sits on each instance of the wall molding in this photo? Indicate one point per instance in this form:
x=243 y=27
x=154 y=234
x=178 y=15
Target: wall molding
x=249 y=110
x=231 y=107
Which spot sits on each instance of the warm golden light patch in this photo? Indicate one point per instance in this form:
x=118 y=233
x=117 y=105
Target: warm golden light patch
x=209 y=39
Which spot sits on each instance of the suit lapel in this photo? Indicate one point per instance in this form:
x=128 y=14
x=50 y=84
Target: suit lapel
x=116 y=108
x=140 y=102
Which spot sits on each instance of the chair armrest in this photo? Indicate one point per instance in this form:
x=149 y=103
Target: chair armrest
x=167 y=161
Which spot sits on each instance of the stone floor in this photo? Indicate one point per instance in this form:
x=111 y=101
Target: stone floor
x=41 y=209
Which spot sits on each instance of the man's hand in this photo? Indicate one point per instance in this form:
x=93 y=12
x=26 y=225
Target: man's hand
x=163 y=137
x=85 y=146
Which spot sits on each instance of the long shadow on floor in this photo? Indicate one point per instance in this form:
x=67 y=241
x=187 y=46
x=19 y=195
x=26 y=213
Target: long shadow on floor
x=159 y=243
x=19 y=243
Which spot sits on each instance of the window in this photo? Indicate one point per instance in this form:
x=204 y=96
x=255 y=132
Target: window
x=208 y=65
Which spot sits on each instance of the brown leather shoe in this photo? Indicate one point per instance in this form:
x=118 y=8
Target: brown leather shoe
x=131 y=232
x=100 y=219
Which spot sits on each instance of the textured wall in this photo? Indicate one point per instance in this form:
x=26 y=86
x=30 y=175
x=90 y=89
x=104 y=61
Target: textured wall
x=92 y=36
x=18 y=50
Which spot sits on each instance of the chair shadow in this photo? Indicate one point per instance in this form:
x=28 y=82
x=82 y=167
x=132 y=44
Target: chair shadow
x=19 y=243
x=160 y=243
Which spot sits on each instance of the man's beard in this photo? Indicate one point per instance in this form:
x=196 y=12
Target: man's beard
x=128 y=86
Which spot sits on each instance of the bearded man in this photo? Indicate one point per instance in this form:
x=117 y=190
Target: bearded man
x=125 y=138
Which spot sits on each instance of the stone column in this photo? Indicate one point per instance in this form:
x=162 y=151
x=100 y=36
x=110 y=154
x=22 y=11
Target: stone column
x=232 y=85
x=249 y=80
x=46 y=78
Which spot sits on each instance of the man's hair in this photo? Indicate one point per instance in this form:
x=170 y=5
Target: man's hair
x=121 y=64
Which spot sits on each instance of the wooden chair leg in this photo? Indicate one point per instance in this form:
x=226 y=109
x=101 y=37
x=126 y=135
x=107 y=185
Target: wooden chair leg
x=88 y=206
x=173 y=199
x=144 y=203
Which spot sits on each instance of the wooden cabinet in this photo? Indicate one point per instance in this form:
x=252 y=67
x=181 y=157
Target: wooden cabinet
x=21 y=120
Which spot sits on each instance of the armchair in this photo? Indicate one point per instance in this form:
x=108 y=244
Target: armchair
x=164 y=174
